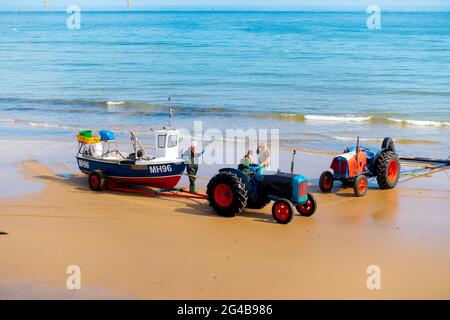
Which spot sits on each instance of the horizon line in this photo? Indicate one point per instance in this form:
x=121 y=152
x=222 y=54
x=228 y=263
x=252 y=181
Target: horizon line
x=226 y=8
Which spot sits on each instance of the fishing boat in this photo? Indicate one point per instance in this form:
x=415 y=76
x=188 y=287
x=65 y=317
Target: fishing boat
x=100 y=158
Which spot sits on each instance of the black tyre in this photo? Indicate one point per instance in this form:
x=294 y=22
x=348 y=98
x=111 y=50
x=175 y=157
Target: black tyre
x=361 y=186
x=96 y=180
x=388 y=144
x=227 y=194
x=326 y=181
x=308 y=208
x=387 y=169
x=283 y=211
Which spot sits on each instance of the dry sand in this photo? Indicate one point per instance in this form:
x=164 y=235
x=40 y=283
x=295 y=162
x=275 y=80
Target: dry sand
x=130 y=246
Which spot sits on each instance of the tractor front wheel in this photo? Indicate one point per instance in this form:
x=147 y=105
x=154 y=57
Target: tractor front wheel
x=227 y=194
x=361 y=186
x=308 y=208
x=96 y=180
x=326 y=181
x=283 y=211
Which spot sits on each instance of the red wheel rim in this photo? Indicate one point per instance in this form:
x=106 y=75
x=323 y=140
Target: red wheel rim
x=282 y=211
x=327 y=180
x=223 y=195
x=305 y=207
x=392 y=171
x=95 y=181
x=362 y=186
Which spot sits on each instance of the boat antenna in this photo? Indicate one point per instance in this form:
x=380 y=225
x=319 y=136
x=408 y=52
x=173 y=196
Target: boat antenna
x=171 y=112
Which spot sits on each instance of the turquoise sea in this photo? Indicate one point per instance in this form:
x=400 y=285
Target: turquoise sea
x=322 y=78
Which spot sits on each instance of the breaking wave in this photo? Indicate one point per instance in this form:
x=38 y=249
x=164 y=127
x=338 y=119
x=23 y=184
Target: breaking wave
x=379 y=140
x=145 y=108
x=426 y=123
x=337 y=118
x=114 y=103
x=40 y=124
x=354 y=119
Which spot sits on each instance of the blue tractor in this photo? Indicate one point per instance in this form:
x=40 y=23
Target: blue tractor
x=233 y=190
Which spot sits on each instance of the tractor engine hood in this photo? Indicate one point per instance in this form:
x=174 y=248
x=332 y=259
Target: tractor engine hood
x=284 y=185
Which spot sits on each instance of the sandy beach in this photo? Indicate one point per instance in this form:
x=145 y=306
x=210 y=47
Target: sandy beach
x=129 y=246
x=99 y=87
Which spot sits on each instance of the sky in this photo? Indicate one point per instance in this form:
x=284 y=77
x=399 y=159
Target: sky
x=143 y=4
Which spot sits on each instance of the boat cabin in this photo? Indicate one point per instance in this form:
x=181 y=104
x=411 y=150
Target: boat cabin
x=166 y=143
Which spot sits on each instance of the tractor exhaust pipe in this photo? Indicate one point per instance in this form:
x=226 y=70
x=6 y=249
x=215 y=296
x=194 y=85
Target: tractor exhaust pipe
x=293 y=160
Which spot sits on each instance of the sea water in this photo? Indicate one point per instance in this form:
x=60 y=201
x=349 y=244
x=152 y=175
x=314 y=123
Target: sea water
x=321 y=78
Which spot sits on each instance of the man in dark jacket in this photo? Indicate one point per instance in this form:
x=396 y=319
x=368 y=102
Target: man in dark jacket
x=191 y=155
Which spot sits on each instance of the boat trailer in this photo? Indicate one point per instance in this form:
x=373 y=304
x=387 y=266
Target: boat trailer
x=153 y=192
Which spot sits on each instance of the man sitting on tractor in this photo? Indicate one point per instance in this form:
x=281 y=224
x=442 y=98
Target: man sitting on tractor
x=247 y=166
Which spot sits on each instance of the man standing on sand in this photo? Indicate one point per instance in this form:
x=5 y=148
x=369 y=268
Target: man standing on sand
x=264 y=155
x=191 y=155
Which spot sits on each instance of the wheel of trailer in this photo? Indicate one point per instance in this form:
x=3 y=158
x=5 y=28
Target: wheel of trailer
x=388 y=144
x=283 y=211
x=387 y=168
x=96 y=180
x=326 y=181
x=361 y=186
x=308 y=208
x=227 y=194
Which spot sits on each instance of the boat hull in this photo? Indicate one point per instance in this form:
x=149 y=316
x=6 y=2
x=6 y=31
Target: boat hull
x=164 y=175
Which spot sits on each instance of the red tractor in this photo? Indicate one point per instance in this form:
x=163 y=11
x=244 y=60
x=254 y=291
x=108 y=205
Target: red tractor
x=357 y=164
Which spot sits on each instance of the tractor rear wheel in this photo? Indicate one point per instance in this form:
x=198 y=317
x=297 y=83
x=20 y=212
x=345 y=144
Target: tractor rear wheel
x=361 y=186
x=283 y=211
x=387 y=169
x=308 y=208
x=388 y=144
x=96 y=180
x=227 y=194
x=326 y=181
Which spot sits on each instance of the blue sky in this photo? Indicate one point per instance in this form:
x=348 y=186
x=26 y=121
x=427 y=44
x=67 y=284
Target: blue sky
x=142 y=4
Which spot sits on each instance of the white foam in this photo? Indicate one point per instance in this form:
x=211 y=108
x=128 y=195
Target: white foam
x=8 y=120
x=354 y=139
x=336 y=118
x=421 y=123
x=114 y=103
x=50 y=125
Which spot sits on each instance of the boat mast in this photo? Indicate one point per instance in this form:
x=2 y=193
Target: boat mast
x=171 y=112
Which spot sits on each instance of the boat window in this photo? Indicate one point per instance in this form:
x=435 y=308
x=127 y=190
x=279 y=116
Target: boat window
x=161 y=141
x=173 y=140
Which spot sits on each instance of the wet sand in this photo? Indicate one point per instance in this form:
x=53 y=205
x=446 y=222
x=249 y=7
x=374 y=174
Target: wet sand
x=131 y=246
